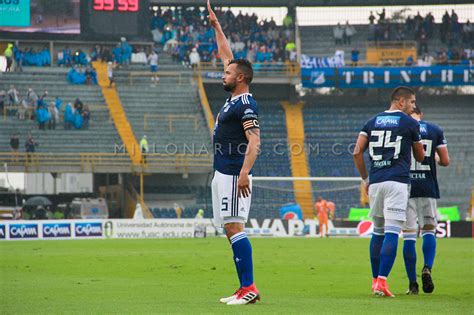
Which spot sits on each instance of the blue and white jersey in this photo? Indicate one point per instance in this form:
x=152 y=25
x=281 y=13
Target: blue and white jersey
x=423 y=175
x=391 y=135
x=238 y=114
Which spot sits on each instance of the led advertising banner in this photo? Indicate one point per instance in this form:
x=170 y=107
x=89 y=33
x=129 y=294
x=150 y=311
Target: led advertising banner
x=386 y=77
x=15 y=13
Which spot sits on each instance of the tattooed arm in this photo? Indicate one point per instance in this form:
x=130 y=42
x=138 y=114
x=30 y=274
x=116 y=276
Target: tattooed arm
x=253 y=149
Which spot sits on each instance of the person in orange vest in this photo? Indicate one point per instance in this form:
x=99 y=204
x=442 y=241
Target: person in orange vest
x=321 y=208
x=331 y=208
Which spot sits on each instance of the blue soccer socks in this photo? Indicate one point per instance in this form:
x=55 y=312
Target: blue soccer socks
x=388 y=252
x=429 y=247
x=409 y=255
x=243 y=258
x=375 y=246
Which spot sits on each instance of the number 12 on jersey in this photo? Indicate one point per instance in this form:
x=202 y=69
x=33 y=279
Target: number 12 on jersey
x=419 y=166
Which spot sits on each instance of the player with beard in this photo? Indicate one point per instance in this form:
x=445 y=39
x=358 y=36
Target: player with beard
x=236 y=146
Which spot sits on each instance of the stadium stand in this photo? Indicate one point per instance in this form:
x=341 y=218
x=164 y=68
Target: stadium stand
x=186 y=28
x=168 y=112
x=325 y=45
x=99 y=137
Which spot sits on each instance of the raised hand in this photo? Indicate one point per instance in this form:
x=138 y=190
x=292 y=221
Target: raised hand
x=212 y=16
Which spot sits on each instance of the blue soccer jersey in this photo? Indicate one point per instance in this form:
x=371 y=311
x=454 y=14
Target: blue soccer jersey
x=423 y=175
x=238 y=114
x=391 y=135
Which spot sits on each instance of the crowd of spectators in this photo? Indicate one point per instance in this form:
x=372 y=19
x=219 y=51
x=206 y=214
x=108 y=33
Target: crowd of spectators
x=185 y=33
x=457 y=39
x=120 y=54
x=30 y=106
x=70 y=57
x=343 y=34
x=450 y=31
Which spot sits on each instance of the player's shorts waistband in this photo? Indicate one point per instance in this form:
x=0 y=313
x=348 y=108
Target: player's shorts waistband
x=217 y=173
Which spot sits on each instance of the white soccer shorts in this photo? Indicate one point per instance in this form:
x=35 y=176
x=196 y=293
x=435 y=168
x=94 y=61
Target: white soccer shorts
x=389 y=200
x=226 y=205
x=421 y=211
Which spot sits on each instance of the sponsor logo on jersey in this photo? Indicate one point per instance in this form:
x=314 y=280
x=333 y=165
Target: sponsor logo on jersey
x=56 y=230
x=387 y=121
x=24 y=231
x=424 y=129
x=88 y=229
x=417 y=175
x=380 y=164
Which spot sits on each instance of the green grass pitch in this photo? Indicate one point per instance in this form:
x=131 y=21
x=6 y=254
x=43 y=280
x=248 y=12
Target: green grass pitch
x=295 y=276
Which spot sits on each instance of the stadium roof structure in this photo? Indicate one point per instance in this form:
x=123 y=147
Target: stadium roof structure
x=308 y=3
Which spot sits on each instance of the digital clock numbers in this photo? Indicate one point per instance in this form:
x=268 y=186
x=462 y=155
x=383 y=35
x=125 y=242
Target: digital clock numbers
x=115 y=5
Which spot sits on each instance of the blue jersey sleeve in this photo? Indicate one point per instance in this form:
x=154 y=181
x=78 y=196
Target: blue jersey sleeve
x=366 y=129
x=248 y=115
x=415 y=131
x=440 y=139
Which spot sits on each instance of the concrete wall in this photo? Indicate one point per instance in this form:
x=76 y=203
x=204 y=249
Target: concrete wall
x=43 y=183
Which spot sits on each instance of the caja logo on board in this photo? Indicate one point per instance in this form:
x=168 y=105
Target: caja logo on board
x=18 y=231
x=88 y=229
x=52 y=230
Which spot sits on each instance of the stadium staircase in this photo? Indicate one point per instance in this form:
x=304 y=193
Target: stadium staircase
x=205 y=104
x=117 y=112
x=299 y=160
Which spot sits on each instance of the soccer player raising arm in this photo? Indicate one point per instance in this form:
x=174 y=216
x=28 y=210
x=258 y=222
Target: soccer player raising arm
x=236 y=142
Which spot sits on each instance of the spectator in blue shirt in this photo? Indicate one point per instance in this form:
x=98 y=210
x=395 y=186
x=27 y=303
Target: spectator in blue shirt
x=355 y=57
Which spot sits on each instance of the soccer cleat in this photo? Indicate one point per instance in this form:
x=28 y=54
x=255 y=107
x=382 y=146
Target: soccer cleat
x=226 y=300
x=247 y=295
x=374 y=282
x=428 y=285
x=381 y=288
x=413 y=288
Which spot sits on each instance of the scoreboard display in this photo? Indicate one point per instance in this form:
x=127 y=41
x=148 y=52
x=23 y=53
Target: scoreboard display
x=116 y=5
x=114 y=18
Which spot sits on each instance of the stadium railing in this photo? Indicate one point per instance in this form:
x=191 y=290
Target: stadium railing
x=134 y=74
x=87 y=162
x=391 y=44
x=170 y=119
x=92 y=107
x=55 y=45
x=286 y=69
